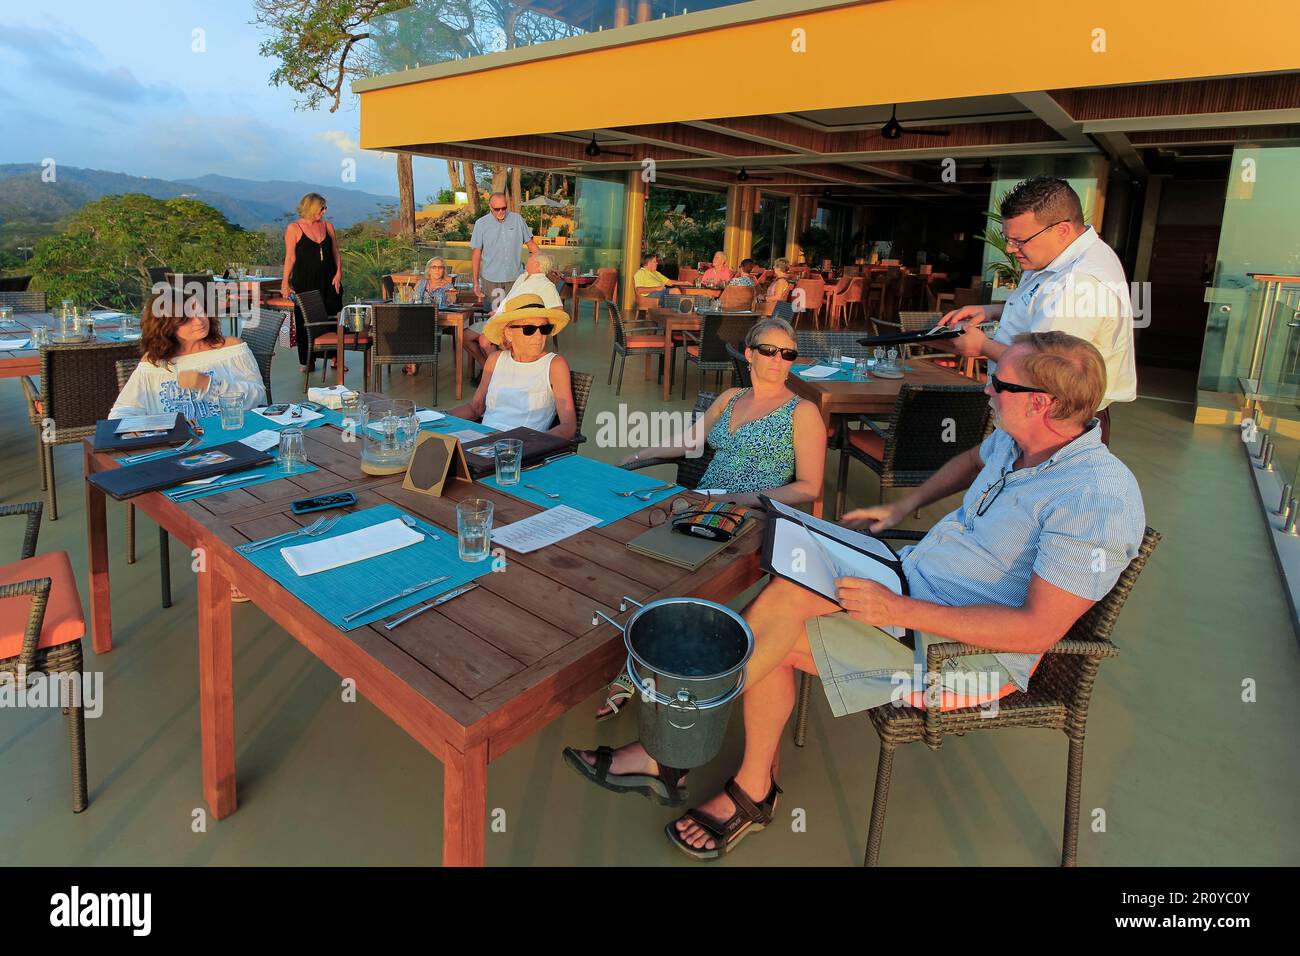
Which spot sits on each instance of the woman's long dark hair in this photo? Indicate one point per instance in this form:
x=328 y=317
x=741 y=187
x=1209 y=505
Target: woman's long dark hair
x=169 y=307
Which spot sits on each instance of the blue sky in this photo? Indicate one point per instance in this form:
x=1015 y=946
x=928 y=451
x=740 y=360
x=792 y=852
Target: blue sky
x=117 y=85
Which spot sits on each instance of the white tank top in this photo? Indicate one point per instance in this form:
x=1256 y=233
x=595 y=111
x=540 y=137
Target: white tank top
x=520 y=395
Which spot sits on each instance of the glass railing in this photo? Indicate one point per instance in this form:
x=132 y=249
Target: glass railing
x=1273 y=371
x=436 y=31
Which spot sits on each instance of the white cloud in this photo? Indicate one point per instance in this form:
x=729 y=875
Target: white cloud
x=345 y=143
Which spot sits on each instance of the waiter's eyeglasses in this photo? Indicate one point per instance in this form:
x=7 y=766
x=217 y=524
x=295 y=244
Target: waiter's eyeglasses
x=1021 y=243
x=545 y=329
x=1001 y=386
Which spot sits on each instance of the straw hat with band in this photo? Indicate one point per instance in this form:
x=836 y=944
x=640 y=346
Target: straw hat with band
x=523 y=308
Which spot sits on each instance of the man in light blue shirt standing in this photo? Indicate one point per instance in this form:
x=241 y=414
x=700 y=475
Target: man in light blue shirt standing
x=496 y=241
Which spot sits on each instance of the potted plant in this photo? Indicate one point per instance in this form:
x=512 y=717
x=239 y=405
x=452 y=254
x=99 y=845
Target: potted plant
x=1007 y=272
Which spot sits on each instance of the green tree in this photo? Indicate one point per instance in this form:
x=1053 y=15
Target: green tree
x=105 y=252
x=369 y=253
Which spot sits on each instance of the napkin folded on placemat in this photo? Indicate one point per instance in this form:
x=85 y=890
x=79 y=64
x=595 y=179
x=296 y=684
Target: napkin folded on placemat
x=351 y=547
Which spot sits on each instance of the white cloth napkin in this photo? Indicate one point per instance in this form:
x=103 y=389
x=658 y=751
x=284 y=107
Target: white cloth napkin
x=305 y=415
x=349 y=548
x=426 y=415
x=331 y=397
x=14 y=343
x=818 y=371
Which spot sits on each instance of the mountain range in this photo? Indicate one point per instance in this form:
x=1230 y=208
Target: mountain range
x=28 y=205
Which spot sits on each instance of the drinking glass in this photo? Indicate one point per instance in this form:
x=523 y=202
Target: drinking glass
x=230 y=401
x=878 y=356
x=6 y=314
x=65 y=307
x=127 y=329
x=891 y=360
x=509 y=456
x=40 y=336
x=835 y=358
x=860 y=370
x=293 y=454
x=474 y=529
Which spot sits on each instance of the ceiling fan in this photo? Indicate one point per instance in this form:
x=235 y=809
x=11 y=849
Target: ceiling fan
x=744 y=177
x=894 y=129
x=593 y=149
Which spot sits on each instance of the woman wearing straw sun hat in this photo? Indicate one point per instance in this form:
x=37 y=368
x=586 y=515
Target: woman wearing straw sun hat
x=524 y=386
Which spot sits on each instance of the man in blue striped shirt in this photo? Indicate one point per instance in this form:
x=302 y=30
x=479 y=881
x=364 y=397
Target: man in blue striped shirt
x=1048 y=521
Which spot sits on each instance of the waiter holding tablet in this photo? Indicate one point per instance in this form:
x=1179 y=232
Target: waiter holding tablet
x=1072 y=282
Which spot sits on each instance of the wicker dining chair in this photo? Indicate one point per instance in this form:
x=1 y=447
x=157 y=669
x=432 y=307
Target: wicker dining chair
x=24 y=301
x=1058 y=697
x=708 y=349
x=737 y=298
x=78 y=388
x=689 y=470
x=322 y=338
x=405 y=335
x=580 y=383
x=641 y=338
x=261 y=333
x=807 y=298
x=844 y=301
x=741 y=375
x=47 y=638
x=603 y=290
x=817 y=345
x=930 y=425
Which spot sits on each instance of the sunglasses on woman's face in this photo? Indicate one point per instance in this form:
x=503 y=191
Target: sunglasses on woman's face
x=545 y=329
x=771 y=351
x=1001 y=386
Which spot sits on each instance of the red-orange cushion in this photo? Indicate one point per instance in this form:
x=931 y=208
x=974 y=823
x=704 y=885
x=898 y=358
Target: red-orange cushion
x=868 y=442
x=350 y=339
x=63 y=618
x=693 y=351
x=645 y=342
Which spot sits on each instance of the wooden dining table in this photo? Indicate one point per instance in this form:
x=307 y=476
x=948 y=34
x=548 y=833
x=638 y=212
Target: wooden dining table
x=576 y=282
x=15 y=363
x=469 y=680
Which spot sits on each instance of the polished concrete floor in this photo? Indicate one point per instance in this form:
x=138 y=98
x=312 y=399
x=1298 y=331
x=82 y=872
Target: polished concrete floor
x=1180 y=769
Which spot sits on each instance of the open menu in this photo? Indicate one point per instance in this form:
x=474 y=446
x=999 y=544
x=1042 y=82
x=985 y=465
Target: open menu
x=812 y=553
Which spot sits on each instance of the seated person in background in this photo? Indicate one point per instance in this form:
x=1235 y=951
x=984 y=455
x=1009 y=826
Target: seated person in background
x=432 y=289
x=524 y=386
x=719 y=273
x=649 y=282
x=749 y=267
x=779 y=289
x=186 y=362
x=1048 y=521
x=534 y=280
x=765 y=439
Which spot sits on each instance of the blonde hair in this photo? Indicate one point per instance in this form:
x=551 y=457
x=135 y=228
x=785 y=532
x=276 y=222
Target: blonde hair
x=781 y=265
x=1069 y=368
x=545 y=261
x=310 y=203
x=433 y=260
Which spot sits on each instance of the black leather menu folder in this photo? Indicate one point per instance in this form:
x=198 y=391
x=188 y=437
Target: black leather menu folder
x=132 y=480
x=537 y=445
x=107 y=438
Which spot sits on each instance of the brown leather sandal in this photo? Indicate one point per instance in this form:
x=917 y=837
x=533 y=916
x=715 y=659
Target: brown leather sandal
x=726 y=834
x=665 y=787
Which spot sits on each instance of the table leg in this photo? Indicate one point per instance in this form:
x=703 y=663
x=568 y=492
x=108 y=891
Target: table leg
x=464 y=806
x=668 y=359
x=339 y=351
x=216 y=693
x=101 y=612
x=574 y=305
x=460 y=355
x=819 y=503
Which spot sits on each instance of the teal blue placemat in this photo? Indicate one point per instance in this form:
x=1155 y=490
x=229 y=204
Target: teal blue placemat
x=332 y=594
x=840 y=376
x=585 y=484
x=264 y=473
x=448 y=423
x=213 y=434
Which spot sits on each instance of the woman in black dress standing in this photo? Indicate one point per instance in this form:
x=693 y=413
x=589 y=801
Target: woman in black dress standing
x=311 y=261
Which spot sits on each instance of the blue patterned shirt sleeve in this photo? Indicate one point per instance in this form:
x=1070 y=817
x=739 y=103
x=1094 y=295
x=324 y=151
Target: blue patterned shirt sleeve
x=1087 y=540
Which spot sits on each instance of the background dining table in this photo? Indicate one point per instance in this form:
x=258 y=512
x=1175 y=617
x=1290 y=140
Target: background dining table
x=468 y=680
x=15 y=363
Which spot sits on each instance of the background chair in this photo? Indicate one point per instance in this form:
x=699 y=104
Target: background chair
x=741 y=376
x=689 y=470
x=405 y=335
x=14 y=283
x=44 y=636
x=323 y=336
x=687 y=274
x=844 y=300
x=737 y=298
x=640 y=338
x=817 y=346
x=929 y=425
x=78 y=388
x=261 y=335
x=24 y=301
x=812 y=290
x=708 y=348
x=580 y=384
x=604 y=289
x=1058 y=697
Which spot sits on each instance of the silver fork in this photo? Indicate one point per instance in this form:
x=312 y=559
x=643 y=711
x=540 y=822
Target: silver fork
x=543 y=491
x=642 y=491
x=412 y=523
x=317 y=527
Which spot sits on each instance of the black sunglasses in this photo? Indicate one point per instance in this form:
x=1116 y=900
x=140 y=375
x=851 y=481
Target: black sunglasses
x=545 y=329
x=772 y=350
x=1001 y=386
x=498 y=208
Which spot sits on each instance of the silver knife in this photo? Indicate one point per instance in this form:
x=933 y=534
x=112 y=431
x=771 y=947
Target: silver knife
x=420 y=609
x=547 y=461
x=191 y=492
x=405 y=592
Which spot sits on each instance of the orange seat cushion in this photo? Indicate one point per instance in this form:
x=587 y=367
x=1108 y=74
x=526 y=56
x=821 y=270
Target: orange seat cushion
x=693 y=351
x=350 y=339
x=645 y=342
x=63 y=618
x=868 y=442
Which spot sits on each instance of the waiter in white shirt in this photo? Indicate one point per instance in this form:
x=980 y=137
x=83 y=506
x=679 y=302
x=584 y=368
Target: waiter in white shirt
x=1072 y=282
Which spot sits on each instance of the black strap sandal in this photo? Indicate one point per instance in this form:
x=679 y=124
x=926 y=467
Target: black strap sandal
x=727 y=834
x=665 y=788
